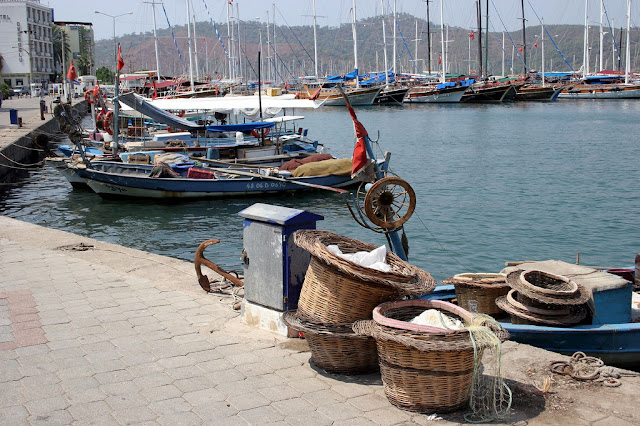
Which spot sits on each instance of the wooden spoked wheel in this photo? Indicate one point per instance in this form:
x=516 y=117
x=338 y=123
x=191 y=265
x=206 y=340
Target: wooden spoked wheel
x=390 y=202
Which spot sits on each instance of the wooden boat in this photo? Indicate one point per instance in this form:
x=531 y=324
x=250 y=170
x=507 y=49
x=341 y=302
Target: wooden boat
x=488 y=92
x=441 y=93
x=110 y=179
x=392 y=95
x=331 y=96
x=610 y=334
x=538 y=93
x=601 y=91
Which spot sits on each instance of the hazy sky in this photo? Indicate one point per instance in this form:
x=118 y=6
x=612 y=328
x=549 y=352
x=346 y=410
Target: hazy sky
x=333 y=12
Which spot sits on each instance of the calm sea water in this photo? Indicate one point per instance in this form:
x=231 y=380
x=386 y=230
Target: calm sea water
x=494 y=183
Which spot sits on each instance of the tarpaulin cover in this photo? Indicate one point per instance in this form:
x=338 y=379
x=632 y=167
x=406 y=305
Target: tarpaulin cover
x=340 y=167
x=246 y=127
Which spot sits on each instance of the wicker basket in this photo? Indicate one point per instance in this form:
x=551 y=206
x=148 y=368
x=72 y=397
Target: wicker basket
x=336 y=348
x=481 y=288
x=336 y=290
x=424 y=369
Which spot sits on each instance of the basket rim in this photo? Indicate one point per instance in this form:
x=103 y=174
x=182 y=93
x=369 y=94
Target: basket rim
x=416 y=282
x=564 y=321
x=381 y=319
x=478 y=279
x=302 y=323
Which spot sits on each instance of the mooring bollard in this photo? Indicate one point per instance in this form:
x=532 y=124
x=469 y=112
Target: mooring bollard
x=42 y=108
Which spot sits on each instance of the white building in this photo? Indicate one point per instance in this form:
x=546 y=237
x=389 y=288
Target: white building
x=26 y=42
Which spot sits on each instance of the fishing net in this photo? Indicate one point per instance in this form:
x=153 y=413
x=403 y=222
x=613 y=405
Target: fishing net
x=490 y=396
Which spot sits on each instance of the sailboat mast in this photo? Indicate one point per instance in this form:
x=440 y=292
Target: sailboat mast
x=601 y=35
x=479 y=13
x=585 y=53
x=239 y=45
x=189 y=44
x=315 y=39
x=275 y=48
x=627 y=68
x=486 y=43
x=395 y=25
x=230 y=43
x=443 y=78
x=155 y=36
x=355 y=41
x=268 y=48
x=195 y=47
x=384 y=44
x=428 y=38
x=542 y=46
x=524 y=38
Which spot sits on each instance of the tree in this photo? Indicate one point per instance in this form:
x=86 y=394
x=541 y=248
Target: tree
x=56 y=33
x=104 y=74
x=83 y=64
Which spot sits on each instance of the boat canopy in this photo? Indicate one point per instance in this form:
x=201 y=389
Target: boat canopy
x=228 y=104
x=138 y=103
x=245 y=127
x=344 y=77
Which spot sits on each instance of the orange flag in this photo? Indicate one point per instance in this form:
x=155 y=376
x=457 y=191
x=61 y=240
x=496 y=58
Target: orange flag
x=71 y=74
x=120 y=60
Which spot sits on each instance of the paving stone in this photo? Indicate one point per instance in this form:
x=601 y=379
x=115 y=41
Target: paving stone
x=225 y=377
x=153 y=380
x=354 y=422
x=184 y=372
x=282 y=362
x=248 y=401
x=120 y=388
x=309 y=418
x=43 y=405
x=81 y=383
x=59 y=417
x=33 y=393
x=279 y=393
x=10 y=394
x=323 y=397
x=76 y=372
x=179 y=419
x=85 y=395
x=340 y=411
x=194 y=384
x=204 y=396
x=351 y=390
x=261 y=415
x=369 y=402
x=290 y=407
x=14 y=415
x=170 y=406
x=134 y=415
x=296 y=373
x=127 y=400
x=612 y=421
x=113 y=377
x=215 y=365
x=162 y=392
x=311 y=384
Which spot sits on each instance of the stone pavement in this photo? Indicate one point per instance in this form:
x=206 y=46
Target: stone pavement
x=112 y=335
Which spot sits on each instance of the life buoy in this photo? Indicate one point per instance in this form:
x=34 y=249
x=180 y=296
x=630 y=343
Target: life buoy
x=219 y=77
x=107 y=122
x=88 y=96
x=256 y=133
x=181 y=113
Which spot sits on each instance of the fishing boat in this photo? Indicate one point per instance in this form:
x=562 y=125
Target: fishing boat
x=490 y=92
x=448 y=92
x=601 y=87
x=537 y=92
x=612 y=330
x=110 y=179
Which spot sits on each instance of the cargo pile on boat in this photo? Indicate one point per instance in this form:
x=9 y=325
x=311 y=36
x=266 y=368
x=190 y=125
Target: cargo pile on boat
x=541 y=298
x=478 y=292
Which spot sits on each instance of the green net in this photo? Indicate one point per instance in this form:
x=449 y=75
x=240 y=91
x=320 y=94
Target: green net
x=490 y=396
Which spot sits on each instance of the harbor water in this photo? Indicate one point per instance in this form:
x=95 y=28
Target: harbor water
x=494 y=183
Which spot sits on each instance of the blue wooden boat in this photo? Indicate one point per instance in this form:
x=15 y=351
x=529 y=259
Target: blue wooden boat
x=111 y=179
x=611 y=335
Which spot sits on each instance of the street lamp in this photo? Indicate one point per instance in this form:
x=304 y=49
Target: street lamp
x=116 y=104
x=115 y=45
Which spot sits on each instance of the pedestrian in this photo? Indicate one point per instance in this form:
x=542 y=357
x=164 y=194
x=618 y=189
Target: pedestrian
x=0 y=98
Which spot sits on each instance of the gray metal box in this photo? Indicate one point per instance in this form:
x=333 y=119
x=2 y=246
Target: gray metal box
x=274 y=267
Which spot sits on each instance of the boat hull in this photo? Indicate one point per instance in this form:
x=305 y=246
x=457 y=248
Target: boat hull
x=537 y=94
x=630 y=92
x=392 y=95
x=493 y=94
x=446 y=95
x=357 y=97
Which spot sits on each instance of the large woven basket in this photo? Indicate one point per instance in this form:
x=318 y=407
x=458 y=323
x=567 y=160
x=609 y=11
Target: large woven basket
x=336 y=348
x=336 y=290
x=424 y=369
x=483 y=289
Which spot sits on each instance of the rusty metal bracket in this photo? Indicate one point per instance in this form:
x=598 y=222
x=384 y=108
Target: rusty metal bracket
x=201 y=260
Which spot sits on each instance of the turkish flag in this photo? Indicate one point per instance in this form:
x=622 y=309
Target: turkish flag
x=71 y=74
x=155 y=90
x=536 y=44
x=120 y=60
x=360 y=151
x=472 y=35
x=440 y=60
x=519 y=49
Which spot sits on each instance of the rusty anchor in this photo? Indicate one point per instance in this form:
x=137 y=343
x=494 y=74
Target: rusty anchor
x=201 y=260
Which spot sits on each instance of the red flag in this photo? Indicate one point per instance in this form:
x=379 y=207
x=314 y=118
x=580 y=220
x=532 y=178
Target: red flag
x=71 y=74
x=440 y=59
x=155 y=91
x=519 y=49
x=360 y=150
x=120 y=60
x=472 y=35
x=536 y=45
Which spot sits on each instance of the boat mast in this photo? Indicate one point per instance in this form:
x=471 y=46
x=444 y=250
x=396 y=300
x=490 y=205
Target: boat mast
x=395 y=71
x=268 y=48
x=479 y=12
x=542 y=46
x=502 y=54
x=627 y=68
x=585 y=53
x=239 y=45
x=355 y=41
x=444 y=59
x=524 y=38
x=230 y=44
x=195 y=47
x=384 y=44
x=601 y=35
x=428 y=37
x=155 y=37
x=275 y=48
x=189 y=44
x=315 y=38
x=486 y=44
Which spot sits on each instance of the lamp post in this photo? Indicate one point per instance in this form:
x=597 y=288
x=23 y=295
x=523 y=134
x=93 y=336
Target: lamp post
x=116 y=105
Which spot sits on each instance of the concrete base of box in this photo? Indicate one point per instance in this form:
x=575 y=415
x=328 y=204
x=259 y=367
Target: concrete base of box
x=266 y=319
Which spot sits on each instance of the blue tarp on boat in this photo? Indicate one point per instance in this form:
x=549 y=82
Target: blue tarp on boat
x=246 y=127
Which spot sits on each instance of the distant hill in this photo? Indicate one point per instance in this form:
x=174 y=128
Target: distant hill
x=335 y=49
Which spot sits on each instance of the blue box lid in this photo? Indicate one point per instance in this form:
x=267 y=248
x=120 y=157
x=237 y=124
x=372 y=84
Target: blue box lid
x=269 y=213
